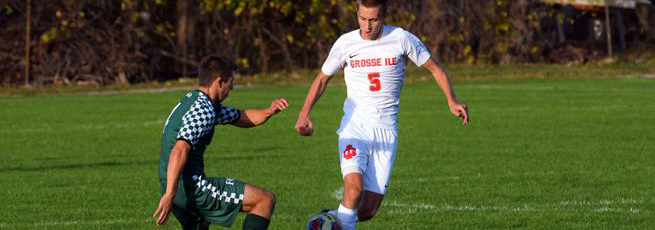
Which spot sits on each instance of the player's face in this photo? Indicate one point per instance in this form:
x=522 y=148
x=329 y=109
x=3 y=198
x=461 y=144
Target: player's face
x=370 y=21
x=224 y=87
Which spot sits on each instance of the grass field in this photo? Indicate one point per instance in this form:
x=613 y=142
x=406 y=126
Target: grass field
x=539 y=154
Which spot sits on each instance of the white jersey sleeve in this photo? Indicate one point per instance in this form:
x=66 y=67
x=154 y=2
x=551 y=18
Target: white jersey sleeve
x=335 y=60
x=415 y=49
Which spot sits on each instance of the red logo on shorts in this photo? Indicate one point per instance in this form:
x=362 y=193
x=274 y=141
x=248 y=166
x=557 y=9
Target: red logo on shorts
x=350 y=152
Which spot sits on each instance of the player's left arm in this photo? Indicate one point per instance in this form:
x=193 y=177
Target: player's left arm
x=456 y=108
x=254 y=117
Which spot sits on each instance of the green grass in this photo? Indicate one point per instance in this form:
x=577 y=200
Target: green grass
x=539 y=154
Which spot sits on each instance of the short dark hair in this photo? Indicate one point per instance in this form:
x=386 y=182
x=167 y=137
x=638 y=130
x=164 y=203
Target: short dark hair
x=374 y=3
x=212 y=66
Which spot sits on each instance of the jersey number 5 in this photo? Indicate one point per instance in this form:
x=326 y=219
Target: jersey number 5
x=374 y=79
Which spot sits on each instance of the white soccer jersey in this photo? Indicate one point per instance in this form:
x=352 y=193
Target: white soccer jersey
x=374 y=73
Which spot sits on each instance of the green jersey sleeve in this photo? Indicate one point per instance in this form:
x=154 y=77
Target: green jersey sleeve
x=226 y=115
x=197 y=122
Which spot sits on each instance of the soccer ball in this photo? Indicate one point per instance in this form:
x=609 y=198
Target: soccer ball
x=323 y=221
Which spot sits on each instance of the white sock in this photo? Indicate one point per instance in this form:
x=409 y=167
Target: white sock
x=333 y=212
x=348 y=217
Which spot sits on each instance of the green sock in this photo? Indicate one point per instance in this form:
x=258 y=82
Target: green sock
x=255 y=222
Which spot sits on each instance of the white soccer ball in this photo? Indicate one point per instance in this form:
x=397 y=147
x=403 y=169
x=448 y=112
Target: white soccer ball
x=323 y=221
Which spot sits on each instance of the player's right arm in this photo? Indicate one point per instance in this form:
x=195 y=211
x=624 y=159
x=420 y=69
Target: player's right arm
x=332 y=64
x=176 y=162
x=255 y=117
x=456 y=108
x=304 y=124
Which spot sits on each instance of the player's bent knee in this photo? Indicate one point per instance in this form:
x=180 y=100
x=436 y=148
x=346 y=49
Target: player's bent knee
x=258 y=200
x=270 y=199
x=263 y=204
x=265 y=200
x=265 y=197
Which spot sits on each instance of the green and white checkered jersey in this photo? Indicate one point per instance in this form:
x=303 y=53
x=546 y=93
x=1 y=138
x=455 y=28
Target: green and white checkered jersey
x=193 y=120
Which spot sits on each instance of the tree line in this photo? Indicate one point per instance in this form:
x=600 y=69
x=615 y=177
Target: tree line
x=102 y=42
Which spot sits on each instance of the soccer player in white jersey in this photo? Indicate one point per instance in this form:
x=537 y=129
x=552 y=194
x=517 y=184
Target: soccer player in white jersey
x=373 y=59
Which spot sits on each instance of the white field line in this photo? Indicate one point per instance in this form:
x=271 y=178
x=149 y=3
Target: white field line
x=575 y=206
x=601 y=202
x=511 y=87
x=638 y=76
x=58 y=128
x=607 y=205
x=406 y=208
x=478 y=176
x=509 y=109
x=548 y=88
x=513 y=174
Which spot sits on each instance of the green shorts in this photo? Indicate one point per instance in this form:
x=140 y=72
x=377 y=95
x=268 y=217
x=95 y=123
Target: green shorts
x=200 y=201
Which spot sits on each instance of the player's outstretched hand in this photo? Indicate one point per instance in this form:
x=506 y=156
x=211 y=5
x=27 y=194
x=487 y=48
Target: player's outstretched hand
x=304 y=125
x=163 y=210
x=278 y=105
x=461 y=111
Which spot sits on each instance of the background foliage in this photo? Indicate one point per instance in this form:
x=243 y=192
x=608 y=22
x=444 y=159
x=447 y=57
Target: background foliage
x=102 y=42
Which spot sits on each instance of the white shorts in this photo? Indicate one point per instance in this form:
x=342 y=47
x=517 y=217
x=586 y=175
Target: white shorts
x=369 y=151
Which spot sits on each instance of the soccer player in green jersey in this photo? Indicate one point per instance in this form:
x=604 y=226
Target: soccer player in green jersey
x=196 y=200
